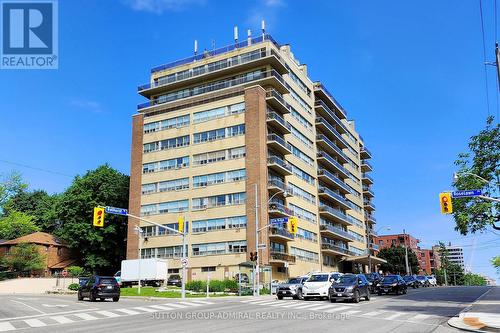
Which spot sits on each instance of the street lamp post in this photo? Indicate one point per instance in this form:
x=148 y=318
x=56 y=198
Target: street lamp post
x=140 y=233
x=406 y=253
x=370 y=252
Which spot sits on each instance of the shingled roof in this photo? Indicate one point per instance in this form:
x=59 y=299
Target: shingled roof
x=42 y=238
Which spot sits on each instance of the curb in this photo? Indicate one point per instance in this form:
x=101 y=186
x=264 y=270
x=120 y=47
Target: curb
x=152 y=298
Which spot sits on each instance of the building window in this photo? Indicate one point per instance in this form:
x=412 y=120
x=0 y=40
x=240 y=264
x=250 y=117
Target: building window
x=208 y=269
x=219 y=178
x=173 y=271
x=219 y=200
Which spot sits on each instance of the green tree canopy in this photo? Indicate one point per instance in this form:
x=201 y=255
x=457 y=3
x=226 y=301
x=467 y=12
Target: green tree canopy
x=396 y=264
x=100 y=249
x=495 y=261
x=476 y=214
x=24 y=257
x=471 y=279
x=17 y=224
x=10 y=185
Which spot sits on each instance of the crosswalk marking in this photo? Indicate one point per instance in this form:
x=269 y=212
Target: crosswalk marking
x=292 y=305
x=420 y=316
x=189 y=304
x=175 y=305
x=323 y=307
x=268 y=303
x=161 y=307
x=35 y=323
x=108 y=314
x=202 y=302
x=85 y=316
x=279 y=303
x=127 y=311
x=145 y=309
x=305 y=306
x=338 y=309
x=371 y=314
x=61 y=319
x=6 y=326
x=395 y=315
x=352 y=311
x=259 y=302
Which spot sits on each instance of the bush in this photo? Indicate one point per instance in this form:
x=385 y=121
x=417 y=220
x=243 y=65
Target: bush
x=216 y=286
x=231 y=285
x=75 y=271
x=265 y=291
x=196 y=285
x=74 y=286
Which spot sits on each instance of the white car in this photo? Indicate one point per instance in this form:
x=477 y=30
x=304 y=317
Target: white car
x=318 y=285
x=432 y=280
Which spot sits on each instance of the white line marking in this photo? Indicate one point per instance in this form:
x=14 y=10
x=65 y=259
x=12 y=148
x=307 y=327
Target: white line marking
x=338 y=309
x=43 y=315
x=280 y=303
x=161 y=307
x=189 y=304
x=202 y=302
x=145 y=309
x=397 y=314
x=61 y=319
x=35 y=323
x=305 y=306
x=108 y=314
x=28 y=306
x=292 y=305
x=323 y=307
x=420 y=316
x=85 y=316
x=127 y=311
x=371 y=314
x=176 y=305
x=6 y=326
x=259 y=302
x=268 y=303
x=352 y=311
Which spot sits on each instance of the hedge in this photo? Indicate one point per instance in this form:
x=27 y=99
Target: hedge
x=214 y=285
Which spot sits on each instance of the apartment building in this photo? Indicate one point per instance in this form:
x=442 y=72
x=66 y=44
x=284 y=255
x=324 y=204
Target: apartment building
x=428 y=261
x=242 y=134
x=385 y=241
x=455 y=254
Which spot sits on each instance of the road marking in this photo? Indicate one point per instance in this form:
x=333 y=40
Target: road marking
x=85 y=316
x=189 y=304
x=6 y=327
x=323 y=307
x=35 y=323
x=371 y=314
x=28 y=306
x=292 y=305
x=397 y=314
x=145 y=309
x=268 y=303
x=55 y=305
x=352 y=311
x=338 y=309
x=127 y=311
x=176 y=305
x=108 y=314
x=61 y=319
x=202 y=302
x=45 y=314
x=161 y=307
x=305 y=306
x=420 y=316
x=259 y=302
x=280 y=303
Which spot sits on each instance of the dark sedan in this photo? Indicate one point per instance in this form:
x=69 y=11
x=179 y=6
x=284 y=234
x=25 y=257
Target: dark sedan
x=174 y=280
x=392 y=284
x=350 y=287
x=101 y=287
x=411 y=281
x=374 y=279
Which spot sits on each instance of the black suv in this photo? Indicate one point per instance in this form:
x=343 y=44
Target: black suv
x=411 y=281
x=350 y=287
x=392 y=284
x=101 y=287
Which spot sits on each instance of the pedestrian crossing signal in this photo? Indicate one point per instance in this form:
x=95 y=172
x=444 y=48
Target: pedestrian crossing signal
x=445 y=201
x=98 y=217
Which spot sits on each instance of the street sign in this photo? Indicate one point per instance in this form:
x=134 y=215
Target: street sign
x=466 y=193
x=279 y=220
x=64 y=273
x=116 y=211
x=262 y=246
x=184 y=262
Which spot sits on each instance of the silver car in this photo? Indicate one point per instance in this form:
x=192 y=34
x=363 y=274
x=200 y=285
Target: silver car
x=291 y=288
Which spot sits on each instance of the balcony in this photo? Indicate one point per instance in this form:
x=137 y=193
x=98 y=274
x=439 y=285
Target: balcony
x=365 y=153
x=366 y=179
x=277 y=209
x=370 y=218
x=331 y=148
x=326 y=112
x=333 y=214
x=280 y=234
x=371 y=232
x=366 y=166
x=276 y=186
x=276 y=101
x=326 y=96
x=277 y=164
x=281 y=258
x=264 y=78
x=367 y=204
x=332 y=180
x=278 y=123
x=326 y=193
x=373 y=246
x=279 y=144
x=330 y=248
x=329 y=230
x=330 y=131
x=367 y=192
x=330 y=162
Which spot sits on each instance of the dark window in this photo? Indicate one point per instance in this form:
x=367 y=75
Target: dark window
x=107 y=281
x=208 y=269
x=173 y=270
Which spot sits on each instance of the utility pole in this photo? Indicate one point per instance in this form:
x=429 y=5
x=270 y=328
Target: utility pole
x=139 y=232
x=445 y=278
x=406 y=253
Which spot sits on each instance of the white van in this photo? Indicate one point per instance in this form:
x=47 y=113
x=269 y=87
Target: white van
x=318 y=285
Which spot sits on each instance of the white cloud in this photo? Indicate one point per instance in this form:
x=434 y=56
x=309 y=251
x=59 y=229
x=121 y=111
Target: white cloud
x=266 y=10
x=86 y=105
x=160 y=6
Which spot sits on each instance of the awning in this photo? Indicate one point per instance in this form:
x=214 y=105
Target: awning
x=365 y=260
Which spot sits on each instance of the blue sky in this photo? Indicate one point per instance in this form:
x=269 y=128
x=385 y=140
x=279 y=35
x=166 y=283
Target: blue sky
x=410 y=74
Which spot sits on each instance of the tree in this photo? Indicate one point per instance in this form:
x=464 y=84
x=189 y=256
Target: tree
x=100 y=249
x=10 y=185
x=40 y=205
x=471 y=279
x=24 y=257
x=448 y=273
x=75 y=271
x=476 y=214
x=395 y=256
x=495 y=261
x=17 y=224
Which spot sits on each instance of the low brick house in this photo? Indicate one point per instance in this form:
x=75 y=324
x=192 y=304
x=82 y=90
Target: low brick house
x=57 y=254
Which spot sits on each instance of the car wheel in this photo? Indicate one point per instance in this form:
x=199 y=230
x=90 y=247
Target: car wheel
x=116 y=298
x=355 y=298
x=379 y=293
x=367 y=297
x=405 y=291
x=332 y=300
x=101 y=299
x=80 y=297
x=306 y=298
x=280 y=297
x=299 y=294
x=92 y=297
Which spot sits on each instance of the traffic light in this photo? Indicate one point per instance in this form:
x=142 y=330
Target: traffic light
x=98 y=217
x=445 y=201
x=253 y=256
x=293 y=225
x=180 y=220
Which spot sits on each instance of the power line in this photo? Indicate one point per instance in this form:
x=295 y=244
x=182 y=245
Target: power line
x=484 y=57
x=36 y=168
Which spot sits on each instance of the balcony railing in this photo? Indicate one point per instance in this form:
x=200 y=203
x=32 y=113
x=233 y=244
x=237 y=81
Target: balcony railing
x=320 y=103
x=337 y=196
x=274 y=231
x=368 y=164
x=281 y=185
x=336 y=248
x=336 y=134
x=214 y=86
x=319 y=85
x=335 y=230
x=333 y=146
x=271 y=115
x=282 y=256
x=334 y=179
x=336 y=212
x=280 y=208
x=330 y=159
x=280 y=162
x=368 y=203
x=370 y=217
x=366 y=176
x=280 y=141
x=373 y=246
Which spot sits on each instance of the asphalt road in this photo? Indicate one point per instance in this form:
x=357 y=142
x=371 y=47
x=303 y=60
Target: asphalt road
x=421 y=310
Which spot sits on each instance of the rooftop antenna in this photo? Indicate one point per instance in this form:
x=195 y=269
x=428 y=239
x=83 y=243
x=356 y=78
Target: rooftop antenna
x=249 y=38
x=195 y=47
x=263 y=27
x=213 y=44
x=236 y=35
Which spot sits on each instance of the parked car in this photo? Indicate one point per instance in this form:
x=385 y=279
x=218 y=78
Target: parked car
x=118 y=277
x=291 y=288
x=174 y=280
x=318 y=285
x=373 y=279
x=350 y=287
x=392 y=284
x=411 y=281
x=432 y=280
x=424 y=281
x=101 y=287
x=244 y=277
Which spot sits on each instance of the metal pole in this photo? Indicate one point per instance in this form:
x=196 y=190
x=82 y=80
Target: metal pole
x=257 y=241
x=140 y=255
x=370 y=261
x=208 y=284
x=445 y=279
x=406 y=254
x=183 y=284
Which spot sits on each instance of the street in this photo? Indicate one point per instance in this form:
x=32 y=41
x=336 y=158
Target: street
x=421 y=310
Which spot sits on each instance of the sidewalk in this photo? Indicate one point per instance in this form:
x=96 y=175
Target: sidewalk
x=481 y=316
x=34 y=285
